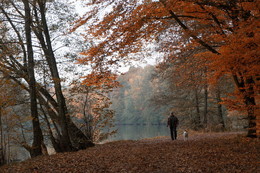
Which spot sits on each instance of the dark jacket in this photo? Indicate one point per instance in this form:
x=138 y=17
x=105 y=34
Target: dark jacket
x=173 y=121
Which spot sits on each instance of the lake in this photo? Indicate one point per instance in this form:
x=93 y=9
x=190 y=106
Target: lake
x=135 y=132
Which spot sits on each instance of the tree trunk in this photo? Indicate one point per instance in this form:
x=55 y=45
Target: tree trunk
x=205 y=111
x=54 y=141
x=197 y=116
x=65 y=123
x=219 y=107
x=2 y=155
x=78 y=139
x=251 y=104
x=65 y=140
x=246 y=87
x=58 y=108
x=37 y=132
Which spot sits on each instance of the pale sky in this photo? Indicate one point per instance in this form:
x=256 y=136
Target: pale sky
x=82 y=9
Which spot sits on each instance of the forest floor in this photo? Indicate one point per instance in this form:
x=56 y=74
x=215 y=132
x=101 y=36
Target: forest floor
x=205 y=152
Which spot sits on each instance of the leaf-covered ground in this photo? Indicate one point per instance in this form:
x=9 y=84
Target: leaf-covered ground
x=215 y=152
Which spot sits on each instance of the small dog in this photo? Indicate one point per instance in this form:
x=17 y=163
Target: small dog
x=185 y=135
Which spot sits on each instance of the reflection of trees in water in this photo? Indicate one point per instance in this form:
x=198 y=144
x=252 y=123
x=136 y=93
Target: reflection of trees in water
x=135 y=132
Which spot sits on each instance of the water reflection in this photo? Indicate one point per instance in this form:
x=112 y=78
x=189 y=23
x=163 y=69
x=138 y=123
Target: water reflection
x=135 y=132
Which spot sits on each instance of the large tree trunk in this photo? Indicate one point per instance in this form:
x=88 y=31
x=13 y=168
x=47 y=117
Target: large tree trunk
x=251 y=104
x=37 y=132
x=246 y=87
x=70 y=133
x=65 y=140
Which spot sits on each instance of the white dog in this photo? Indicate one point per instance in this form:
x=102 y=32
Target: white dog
x=185 y=135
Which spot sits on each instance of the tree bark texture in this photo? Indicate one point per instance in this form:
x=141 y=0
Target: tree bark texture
x=37 y=132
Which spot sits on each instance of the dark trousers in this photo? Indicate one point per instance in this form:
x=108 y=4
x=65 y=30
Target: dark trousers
x=173 y=133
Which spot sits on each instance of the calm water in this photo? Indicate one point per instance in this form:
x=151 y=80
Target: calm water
x=135 y=132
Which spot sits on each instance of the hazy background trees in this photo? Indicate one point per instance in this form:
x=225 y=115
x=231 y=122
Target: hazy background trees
x=133 y=101
x=148 y=94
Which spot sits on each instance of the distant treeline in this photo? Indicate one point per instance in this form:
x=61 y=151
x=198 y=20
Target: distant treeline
x=133 y=102
x=147 y=97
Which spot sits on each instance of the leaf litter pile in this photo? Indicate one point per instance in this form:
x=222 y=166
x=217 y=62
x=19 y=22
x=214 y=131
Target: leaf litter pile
x=215 y=152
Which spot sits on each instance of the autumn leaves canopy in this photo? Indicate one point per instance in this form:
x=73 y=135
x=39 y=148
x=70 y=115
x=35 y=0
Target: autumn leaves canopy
x=223 y=34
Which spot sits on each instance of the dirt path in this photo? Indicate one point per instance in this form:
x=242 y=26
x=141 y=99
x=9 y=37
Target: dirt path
x=218 y=152
x=194 y=136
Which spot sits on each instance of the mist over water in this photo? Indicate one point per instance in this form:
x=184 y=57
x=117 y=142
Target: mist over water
x=136 y=132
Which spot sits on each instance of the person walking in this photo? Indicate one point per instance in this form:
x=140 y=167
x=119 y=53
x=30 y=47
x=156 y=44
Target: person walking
x=173 y=122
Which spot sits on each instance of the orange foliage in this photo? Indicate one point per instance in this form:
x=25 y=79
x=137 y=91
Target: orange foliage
x=226 y=31
x=103 y=80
